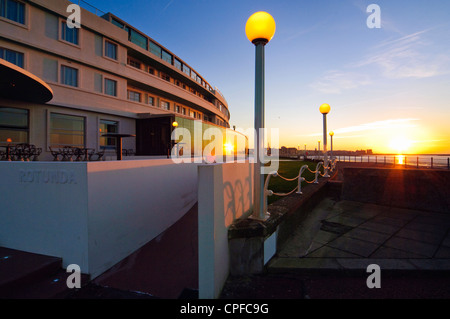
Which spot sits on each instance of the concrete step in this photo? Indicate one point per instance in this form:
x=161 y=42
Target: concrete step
x=25 y=275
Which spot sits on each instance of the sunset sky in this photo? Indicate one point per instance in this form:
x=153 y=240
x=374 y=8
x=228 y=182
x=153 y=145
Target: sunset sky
x=388 y=88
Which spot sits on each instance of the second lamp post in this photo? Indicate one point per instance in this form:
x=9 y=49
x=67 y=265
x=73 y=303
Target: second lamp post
x=325 y=109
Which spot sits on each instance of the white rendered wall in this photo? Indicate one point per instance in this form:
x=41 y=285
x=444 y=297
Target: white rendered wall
x=225 y=193
x=91 y=214
x=132 y=202
x=44 y=209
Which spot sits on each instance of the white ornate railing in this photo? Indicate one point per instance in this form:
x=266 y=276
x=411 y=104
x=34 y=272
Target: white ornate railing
x=330 y=167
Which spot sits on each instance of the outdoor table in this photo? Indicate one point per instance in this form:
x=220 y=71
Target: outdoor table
x=118 y=137
x=8 y=152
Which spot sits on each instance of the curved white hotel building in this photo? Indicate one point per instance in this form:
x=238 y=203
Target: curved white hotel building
x=106 y=76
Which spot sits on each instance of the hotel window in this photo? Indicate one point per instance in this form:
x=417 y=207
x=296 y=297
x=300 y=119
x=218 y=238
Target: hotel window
x=134 y=96
x=186 y=70
x=69 y=76
x=69 y=34
x=138 y=39
x=199 y=116
x=120 y=24
x=177 y=108
x=177 y=64
x=107 y=126
x=110 y=87
x=166 y=57
x=13 y=10
x=155 y=49
x=151 y=100
x=14 y=125
x=134 y=63
x=151 y=71
x=66 y=130
x=13 y=57
x=192 y=114
x=111 y=50
x=165 y=105
x=184 y=111
x=165 y=77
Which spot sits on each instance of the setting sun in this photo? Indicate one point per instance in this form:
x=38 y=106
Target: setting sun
x=400 y=144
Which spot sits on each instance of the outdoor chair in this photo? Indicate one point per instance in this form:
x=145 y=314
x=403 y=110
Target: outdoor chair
x=56 y=154
x=97 y=156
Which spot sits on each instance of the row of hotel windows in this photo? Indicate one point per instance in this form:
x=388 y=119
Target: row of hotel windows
x=145 y=43
x=69 y=76
x=136 y=96
x=64 y=130
x=141 y=66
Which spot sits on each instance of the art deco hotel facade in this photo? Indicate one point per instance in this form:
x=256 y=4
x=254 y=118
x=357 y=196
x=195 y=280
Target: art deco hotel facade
x=105 y=76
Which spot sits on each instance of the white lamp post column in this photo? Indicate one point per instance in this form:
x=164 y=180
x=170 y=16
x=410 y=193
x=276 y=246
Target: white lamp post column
x=325 y=109
x=260 y=28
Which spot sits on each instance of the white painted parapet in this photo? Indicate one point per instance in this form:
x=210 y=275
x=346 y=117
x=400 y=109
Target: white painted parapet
x=225 y=193
x=92 y=214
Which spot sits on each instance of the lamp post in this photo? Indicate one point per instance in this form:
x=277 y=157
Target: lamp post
x=325 y=109
x=8 y=149
x=331 y=144
x=175 y=125
x=318 y=149
x=260 y=28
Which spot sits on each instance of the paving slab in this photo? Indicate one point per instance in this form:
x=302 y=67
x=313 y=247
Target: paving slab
x=324 y=237
x=346 y=220
x=393 y=253
x=426 y=237
x=431 y=228
x=446 y=241
x=410 y=245
x=443 y=252
x=354 y=246
x=387 y=220
x=367 y=235
x=330 y=252
x=381 y=228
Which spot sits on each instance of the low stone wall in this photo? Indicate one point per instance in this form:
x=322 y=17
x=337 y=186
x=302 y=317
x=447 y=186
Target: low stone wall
x=421 y=189
x=252 y=243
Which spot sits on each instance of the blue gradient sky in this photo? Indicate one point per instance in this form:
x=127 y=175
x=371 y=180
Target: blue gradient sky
x=388 y=88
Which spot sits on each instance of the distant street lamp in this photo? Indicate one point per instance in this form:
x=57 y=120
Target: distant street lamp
x=331 y=137
x=325 y=109
x=260 y=29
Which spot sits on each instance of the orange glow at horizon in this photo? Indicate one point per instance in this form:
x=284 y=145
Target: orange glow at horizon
x=392 y=136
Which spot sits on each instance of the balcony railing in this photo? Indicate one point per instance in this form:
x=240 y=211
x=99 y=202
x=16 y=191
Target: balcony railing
x=89 y=7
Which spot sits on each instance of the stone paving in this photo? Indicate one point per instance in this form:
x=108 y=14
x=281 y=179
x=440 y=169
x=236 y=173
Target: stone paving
x=347 y=235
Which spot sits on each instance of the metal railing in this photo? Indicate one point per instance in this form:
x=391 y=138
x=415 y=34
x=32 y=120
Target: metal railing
x=331 y=165
x=422 y=161
x=89 y=7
